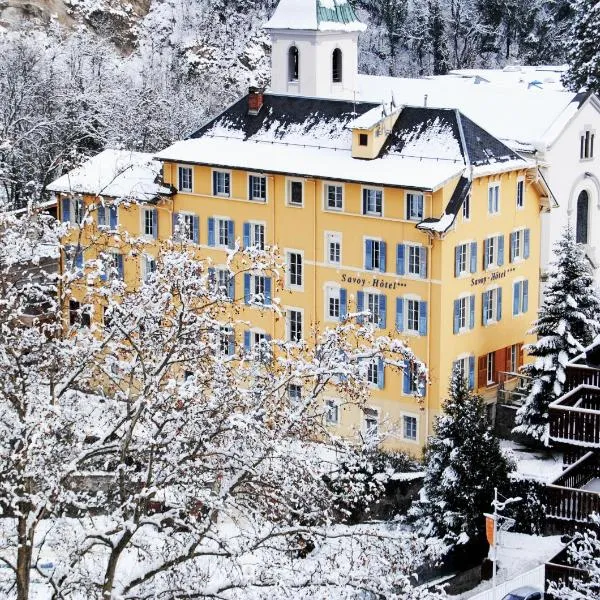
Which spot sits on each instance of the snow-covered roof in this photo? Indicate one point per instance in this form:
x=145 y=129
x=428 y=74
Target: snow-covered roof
x=315 y=15
x=369 y=119
x=115 y=174
x=525 y=119
x=311 y=137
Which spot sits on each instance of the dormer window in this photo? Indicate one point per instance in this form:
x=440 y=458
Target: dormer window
x=336 y=66
x=363 y=139
x=293 y=63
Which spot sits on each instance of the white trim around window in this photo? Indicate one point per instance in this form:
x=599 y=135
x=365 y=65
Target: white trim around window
x=214 y=192
x=329 y=405
x=403 y=427
x=298 y=287
x=249 y=194
x=332 y=237
x=364 y=208
x=493 y=199
x=288 y=191
x=338 y=200
x=288 y=328
x=180 y=187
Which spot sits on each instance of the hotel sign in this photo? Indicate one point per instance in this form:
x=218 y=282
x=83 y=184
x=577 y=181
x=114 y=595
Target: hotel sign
x=376 y=282
x=496 y=276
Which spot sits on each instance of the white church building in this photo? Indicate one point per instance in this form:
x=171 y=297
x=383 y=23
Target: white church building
x=315 y=54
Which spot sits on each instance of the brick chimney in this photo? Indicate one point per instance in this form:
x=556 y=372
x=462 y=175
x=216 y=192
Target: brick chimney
x=255 y=100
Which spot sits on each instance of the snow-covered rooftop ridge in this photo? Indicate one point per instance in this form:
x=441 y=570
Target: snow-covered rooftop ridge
x=115 y=174
x=315 y=15
x=372 y=117
x=522 y=118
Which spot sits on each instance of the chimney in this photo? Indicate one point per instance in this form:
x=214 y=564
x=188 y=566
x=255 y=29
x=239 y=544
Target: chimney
x=255 y=100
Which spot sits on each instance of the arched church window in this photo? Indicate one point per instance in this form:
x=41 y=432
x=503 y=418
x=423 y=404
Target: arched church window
x=336 y=66
x=293 y=63
x=581 y=231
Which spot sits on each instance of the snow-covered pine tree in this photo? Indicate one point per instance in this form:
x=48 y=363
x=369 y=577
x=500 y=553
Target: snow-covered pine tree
x=567 y=322
x=582 y=47
x=464 y=463
x=437 y=34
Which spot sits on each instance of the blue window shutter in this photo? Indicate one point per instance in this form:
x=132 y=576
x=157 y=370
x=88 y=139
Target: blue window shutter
x=423 y=262
x=380 y=374
x=472 y=312
x=101 y=216
x=400 y=314
x=120 y=266
x=267 y=290
x=211 y=231
x=499 y=305
x=214 y=178
x=471 y=372
x=516 y=297
x=364 y=202
x=79 y=258
x=382 y=256
x=231 y=344
x=422 y=318
x=406 y=379
x=231 y=286
x=196 y=231
x=113 y=217
x=485 y=298
x=230 y=234
x=400 y=251
x=247 y=288
x=485 y=253
x=247 y=341
x=511 y=249
x=500 y=250
x=456 y=315
x=246 y=235
x=525 y=296
x=526 y=243
x=369 y=255
x=382 y=311
x=456 y=261
x=343 y=303
x=154 y=223
x=66 y=210
x=473 y=257
x=360 y=304
x=175 y=223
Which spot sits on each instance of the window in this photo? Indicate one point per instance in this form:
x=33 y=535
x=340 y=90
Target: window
x=257 y=289
x=493 y=252
x=375 y=251
x=490 y=368
x=224 y=280
x=112 y=266
x=295 y=193
x=464 y=314
x=492 y=306
x=223 y=233
x=372 y=202
x=412 y=316
x=409 y=428
x=226 y=340
x=520 y=297
x=413 y=382
x=375 y=372
x=221 y=183
x=73 y=210
x=414 y=207
x=336 y=66
x=257 y=286
x=466 y=208
x=513 y=358
x=294 y=392
x=294 y=318
x=79 y=315
x=412 y=260
x=372 y=306
x=363 y=139
x=582 y=227
x=258 y=342
x=293 y=64
x=333 y=248
x=186 y=227
x=294 y=269
x=520 y=193
x=185 y=179
x=334 y=196
x=519 y=245
x=254 y=235
x=257 y=188
x=148 y=267
x=465 y=259
x=149 y=222
x=586 y=145
x=107 y=217
x=333 y=308
x=371 y=422
x=494 y=199
x=465 y=368
x=332 y=411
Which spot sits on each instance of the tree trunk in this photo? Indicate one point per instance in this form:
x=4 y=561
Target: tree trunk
x=111 y=567
x=24 y=554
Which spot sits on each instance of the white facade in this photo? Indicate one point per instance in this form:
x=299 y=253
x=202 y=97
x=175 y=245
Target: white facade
x=315 y=74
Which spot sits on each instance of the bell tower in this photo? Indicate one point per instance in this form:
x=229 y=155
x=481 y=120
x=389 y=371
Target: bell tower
x=314 y=48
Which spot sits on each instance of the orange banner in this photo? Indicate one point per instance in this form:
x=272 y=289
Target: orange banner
x=489 y=529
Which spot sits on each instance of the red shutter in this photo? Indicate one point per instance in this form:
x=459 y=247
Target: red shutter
x=520 y=354
x=500 y=363
x=482 y=372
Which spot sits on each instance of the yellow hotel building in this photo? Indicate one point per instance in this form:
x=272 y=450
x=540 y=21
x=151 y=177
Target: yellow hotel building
x=414 y=215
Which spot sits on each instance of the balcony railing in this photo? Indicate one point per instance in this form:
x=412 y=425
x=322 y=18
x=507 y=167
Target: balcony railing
x=512 y=387
x=575 y=417
x=565 y=496
x=581 y=375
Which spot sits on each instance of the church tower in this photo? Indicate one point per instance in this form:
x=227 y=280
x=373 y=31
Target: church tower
x=314 y=48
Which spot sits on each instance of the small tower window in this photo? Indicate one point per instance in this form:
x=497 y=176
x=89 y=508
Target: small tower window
x=581 y=230
x=336 y=66
x=293 y=63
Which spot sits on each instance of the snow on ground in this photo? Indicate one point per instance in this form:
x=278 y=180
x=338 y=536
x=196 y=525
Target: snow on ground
x=517 y=554
x=543 y=466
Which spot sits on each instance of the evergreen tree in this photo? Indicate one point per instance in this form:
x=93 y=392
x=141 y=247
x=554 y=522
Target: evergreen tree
x=437 y=36
x=567 y=323
x=583 y=55
x=464 y=463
